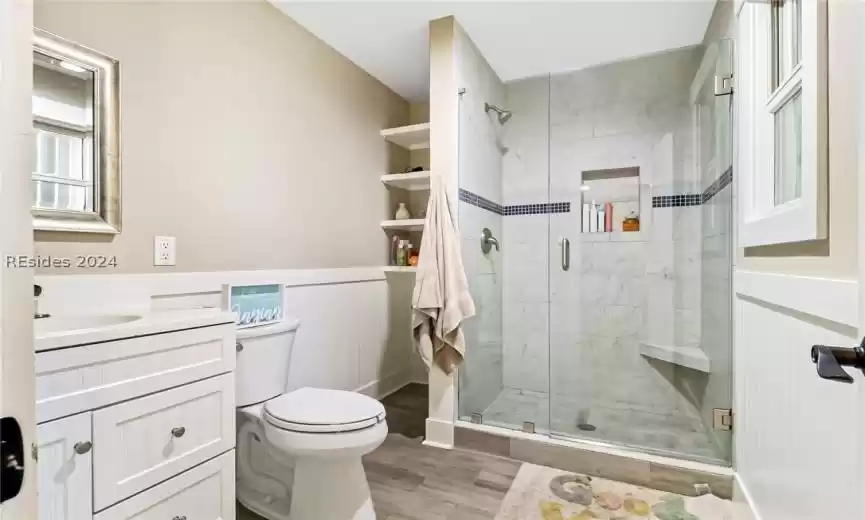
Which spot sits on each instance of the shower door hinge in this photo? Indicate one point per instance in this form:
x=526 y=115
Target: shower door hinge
x=478 y=418
x=723 y=84
x=528 y=427
x=723 y=419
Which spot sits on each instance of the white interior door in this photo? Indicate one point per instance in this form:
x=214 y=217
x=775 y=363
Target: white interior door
x=799 y=437
x=16 y=237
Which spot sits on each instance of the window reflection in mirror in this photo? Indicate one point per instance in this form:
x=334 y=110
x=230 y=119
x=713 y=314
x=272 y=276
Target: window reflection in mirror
x=76 y=107
x=63 y=126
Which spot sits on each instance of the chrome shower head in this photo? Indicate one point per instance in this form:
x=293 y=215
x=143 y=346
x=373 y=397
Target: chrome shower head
x=503 y=114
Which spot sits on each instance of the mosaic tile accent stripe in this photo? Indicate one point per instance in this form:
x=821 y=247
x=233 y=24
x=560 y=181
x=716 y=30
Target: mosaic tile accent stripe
x=719 y=184
x=661 y=201
x=518 y=209
x=537 y=209
x=695 y=199
x=675 y=201
x=481 y=202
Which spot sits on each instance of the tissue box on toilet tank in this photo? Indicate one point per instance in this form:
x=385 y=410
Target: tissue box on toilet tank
x=254 y=305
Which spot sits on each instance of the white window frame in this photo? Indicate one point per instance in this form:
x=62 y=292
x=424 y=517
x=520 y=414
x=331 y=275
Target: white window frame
x=761 y=221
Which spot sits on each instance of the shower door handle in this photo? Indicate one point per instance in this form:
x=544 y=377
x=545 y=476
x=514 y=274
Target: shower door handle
x=566 y=254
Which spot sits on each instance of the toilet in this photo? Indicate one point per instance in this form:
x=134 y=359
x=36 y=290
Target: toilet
x=299 y=452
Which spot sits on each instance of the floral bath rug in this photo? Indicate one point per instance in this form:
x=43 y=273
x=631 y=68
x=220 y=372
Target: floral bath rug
x=542 y=493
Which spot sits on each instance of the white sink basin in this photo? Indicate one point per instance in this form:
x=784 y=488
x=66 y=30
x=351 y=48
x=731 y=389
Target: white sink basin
x=69 y=323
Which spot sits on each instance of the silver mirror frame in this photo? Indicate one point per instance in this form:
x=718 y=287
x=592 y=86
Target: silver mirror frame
x=106 y=91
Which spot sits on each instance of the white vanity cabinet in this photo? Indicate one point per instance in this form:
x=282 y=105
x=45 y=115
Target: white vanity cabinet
x=138 y=428
x=65 y=468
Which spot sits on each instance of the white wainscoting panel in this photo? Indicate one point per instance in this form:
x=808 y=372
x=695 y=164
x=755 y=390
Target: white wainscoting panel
x=354 y=323
x=794 y=430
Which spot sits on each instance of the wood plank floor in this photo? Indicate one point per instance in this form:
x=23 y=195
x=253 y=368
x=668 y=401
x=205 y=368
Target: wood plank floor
x=410 y=481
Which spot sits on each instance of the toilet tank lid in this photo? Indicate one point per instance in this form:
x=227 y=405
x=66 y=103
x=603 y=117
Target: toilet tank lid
x=288 y=324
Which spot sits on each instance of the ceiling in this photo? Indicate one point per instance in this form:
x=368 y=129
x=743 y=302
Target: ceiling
x=519 y=39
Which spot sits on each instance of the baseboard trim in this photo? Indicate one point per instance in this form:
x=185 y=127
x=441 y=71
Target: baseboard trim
x=439 y=433
x=381 y=388
x=437 y=445
x=743 y=504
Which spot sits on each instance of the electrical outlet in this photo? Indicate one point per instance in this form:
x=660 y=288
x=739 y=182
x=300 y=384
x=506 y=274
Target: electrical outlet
x=164 y=251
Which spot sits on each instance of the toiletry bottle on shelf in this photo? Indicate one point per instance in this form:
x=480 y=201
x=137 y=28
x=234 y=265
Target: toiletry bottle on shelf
x=593 y=218
x=608 y=217
x=400 y=253
x=631 y=222
x=394 y=247
x=601 y=218
x=402 y=212
x=585 y=220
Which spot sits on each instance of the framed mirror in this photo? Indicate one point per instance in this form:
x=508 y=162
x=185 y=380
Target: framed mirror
x=76 y=123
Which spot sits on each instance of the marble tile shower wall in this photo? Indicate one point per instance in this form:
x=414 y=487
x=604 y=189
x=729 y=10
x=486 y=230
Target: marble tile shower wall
x=628 y=114
x=480 y=172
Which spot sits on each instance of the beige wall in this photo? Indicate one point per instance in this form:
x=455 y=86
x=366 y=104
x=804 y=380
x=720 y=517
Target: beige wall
x=244 y=136
x=837 y=255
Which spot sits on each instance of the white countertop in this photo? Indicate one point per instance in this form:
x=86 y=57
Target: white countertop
x=150 y=323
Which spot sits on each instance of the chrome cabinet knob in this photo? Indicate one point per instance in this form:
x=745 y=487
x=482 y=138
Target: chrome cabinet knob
x=82 y=447
x=178 y=432
x=182 y=517
x=239 y=346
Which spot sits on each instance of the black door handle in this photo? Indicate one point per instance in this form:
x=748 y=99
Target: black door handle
x=11 y=458
x=831 y=360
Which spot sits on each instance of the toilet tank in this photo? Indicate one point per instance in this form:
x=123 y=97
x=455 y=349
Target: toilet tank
x=263 y=357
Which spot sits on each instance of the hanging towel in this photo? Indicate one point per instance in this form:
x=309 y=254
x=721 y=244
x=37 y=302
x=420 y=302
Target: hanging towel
x=441 y=299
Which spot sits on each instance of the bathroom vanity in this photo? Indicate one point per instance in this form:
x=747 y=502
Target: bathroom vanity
x=136 y=416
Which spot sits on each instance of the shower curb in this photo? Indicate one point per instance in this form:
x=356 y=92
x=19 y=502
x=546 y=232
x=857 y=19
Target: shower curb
x=572 y=457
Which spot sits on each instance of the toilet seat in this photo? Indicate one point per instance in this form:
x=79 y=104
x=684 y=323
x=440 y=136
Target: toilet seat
x=318 y=410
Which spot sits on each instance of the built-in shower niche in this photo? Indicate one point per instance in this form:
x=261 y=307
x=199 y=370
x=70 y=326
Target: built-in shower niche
x=610 y=200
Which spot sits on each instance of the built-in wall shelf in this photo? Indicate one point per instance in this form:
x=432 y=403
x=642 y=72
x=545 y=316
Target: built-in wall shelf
x=400 y=269
x=412 y=224
x=614 y=236
x=690 y=357
x=411 y=137
x=414 y=181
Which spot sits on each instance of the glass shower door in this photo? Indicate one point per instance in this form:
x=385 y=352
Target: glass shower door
x=639 y=298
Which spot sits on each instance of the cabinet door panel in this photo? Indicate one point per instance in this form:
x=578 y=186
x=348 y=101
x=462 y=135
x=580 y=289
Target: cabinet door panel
x=65 y=464
x=145 y=441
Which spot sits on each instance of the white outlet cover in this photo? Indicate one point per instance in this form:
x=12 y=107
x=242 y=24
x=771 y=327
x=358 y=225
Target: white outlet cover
x=164 y=251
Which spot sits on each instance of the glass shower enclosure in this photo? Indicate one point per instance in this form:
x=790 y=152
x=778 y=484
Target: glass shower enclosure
x=606 y=314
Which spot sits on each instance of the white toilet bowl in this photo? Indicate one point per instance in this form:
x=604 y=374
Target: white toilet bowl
x=326 y=432
x=299 y=452
x=307 y=464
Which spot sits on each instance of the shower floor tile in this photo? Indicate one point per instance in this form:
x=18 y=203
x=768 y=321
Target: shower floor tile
x=608 y=422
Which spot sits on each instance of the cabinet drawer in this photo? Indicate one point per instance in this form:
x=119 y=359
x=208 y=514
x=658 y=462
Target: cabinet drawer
x=77 y=379
x=205 y=492
x=140 y=443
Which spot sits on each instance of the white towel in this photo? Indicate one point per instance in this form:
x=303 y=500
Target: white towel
x=441 y=299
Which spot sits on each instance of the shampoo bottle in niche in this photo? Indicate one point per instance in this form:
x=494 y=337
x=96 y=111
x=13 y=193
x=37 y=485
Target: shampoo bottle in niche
x=585 y=219
x=608 y=217
x=593 y=218
x=601 y=218
x=402 y=212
